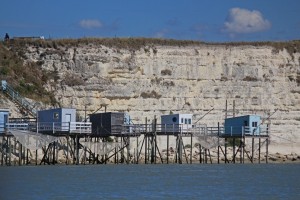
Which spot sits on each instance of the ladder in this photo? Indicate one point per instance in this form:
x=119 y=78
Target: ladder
x=25 y=105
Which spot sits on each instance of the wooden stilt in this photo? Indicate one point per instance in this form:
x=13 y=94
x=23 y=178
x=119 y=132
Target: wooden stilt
x=77 y=150
x=219 y=141
x=137 y=151
x=53 y=153
x=27 y=158
x=205 y=152
x=20 y=154
x=9 y=151
x=146 y=147
x=244 y=140
x=2 y=151
x=191 y=152
x=259 y=146
x=252 y=156
x=167 y=149
x=67 y=156
x=225 y=150
x=241 y=150
x=36 y=156
x=267 y=149
x=200 y=153
x=233 y=149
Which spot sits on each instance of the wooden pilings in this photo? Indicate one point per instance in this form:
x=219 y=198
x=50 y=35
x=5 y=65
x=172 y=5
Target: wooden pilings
x=148 y=149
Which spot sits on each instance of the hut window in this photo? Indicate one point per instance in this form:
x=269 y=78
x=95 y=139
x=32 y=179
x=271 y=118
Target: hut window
x=186 y=121
x=190 y=121
x=55 y=115
x=174 y=119
x=182 y=120
x=254 y=124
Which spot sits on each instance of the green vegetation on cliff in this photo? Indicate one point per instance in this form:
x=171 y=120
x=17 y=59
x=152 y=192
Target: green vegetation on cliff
x=26 y=77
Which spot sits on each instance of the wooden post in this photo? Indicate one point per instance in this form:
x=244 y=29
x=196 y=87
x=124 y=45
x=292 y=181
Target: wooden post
x=137 y=149
x=53 y=154
x=180 y=150
x=252 y=157
x=168 y=149
x=146 y=141
x=84 y=155
x=128 y=148
x=154 y=142
x=205 y=156
x=191 y=153
x=24 y=153
x=152 y=148
x=15 y=145
x=2 y=151
x=67 y=156
x=267 y=151
x=36 y=156
x=116 y=152
x=122 y=151
x=241 y=150
x=146 y=146
x=77 y=149
x=219 y=140
x=200 y=153
x=20 y=154
x=225 y=149
x=176 y=149
x=9 y=150
x=233 y=149
x=27 y=161
x=244 y=140
x=259 y=146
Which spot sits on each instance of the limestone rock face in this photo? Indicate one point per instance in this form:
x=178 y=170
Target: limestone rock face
x=156 y=80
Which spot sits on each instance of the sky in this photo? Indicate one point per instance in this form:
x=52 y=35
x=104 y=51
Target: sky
x=202 y=20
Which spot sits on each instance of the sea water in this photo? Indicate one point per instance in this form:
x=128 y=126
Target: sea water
x=196 y=181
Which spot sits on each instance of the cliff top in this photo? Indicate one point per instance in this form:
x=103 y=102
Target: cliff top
x=137 y=43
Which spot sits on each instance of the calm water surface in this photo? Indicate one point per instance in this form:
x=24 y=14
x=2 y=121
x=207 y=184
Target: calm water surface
x=278 y=181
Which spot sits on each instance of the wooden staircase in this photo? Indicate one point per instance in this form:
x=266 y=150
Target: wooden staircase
x=24 y=106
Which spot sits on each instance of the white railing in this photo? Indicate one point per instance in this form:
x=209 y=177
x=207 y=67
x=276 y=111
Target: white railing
x=215 y=131
x=136 y=129
x=54 y=127
x=246 y=130
x=17 y=126
x=72 y=127
x=81 y=127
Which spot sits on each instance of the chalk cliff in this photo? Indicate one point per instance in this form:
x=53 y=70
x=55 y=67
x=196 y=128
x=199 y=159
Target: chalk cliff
x=159 y=79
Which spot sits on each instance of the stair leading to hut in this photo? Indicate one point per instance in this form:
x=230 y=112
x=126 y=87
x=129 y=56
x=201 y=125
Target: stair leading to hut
x=24 y=105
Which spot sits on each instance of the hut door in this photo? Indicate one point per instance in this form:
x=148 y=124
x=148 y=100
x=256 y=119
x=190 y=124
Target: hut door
x=68 y=118
x=5 y=118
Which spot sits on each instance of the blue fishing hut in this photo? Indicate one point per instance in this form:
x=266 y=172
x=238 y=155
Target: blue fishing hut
x=4 y=114
x=59 y=118
x=243 y=125
x=61 y=115
x=176 y=122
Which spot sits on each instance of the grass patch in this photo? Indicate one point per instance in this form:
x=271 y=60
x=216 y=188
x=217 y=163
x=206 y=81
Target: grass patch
x=26 y=77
